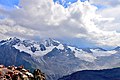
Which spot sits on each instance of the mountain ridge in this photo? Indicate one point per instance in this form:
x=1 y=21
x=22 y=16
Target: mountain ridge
x=105 y=74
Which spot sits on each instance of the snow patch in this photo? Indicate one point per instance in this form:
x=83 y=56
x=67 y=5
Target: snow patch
x=98 y=53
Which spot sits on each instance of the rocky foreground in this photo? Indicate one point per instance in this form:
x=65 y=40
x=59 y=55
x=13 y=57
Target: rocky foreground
x=19 y=73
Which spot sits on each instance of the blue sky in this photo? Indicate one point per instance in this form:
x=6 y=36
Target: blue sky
x=9 y=3
x=67 y=1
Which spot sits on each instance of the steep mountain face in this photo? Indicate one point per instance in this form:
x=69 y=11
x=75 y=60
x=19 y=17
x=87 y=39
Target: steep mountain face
x=108 y=74
x=55 y=59
x=11 y=56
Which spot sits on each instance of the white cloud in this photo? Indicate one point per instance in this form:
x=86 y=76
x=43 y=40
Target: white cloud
x=9 y=28
x=107 y=3
x=46 y=19
x=110 y=25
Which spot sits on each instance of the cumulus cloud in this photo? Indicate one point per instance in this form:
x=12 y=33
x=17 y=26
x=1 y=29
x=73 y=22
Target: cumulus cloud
x=9 y=28
x=47 y=19
x=111 y=12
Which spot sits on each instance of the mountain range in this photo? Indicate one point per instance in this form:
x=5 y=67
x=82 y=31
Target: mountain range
x=54 y=58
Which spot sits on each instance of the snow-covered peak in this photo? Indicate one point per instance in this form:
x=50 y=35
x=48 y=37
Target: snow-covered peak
x=11 y=41
x=43 y=47
x=117 y=48
x=27 y=43
x=51 y=42
x=34 y=48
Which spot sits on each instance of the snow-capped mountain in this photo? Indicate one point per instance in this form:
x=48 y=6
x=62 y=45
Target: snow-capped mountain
x=54 y=58
x=117 y=48
x=42 y=48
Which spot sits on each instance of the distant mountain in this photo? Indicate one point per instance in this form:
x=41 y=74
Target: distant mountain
x=117 y=48
x=54 y=58
x=107 y=74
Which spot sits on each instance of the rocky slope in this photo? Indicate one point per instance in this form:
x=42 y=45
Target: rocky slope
x=20 y=73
